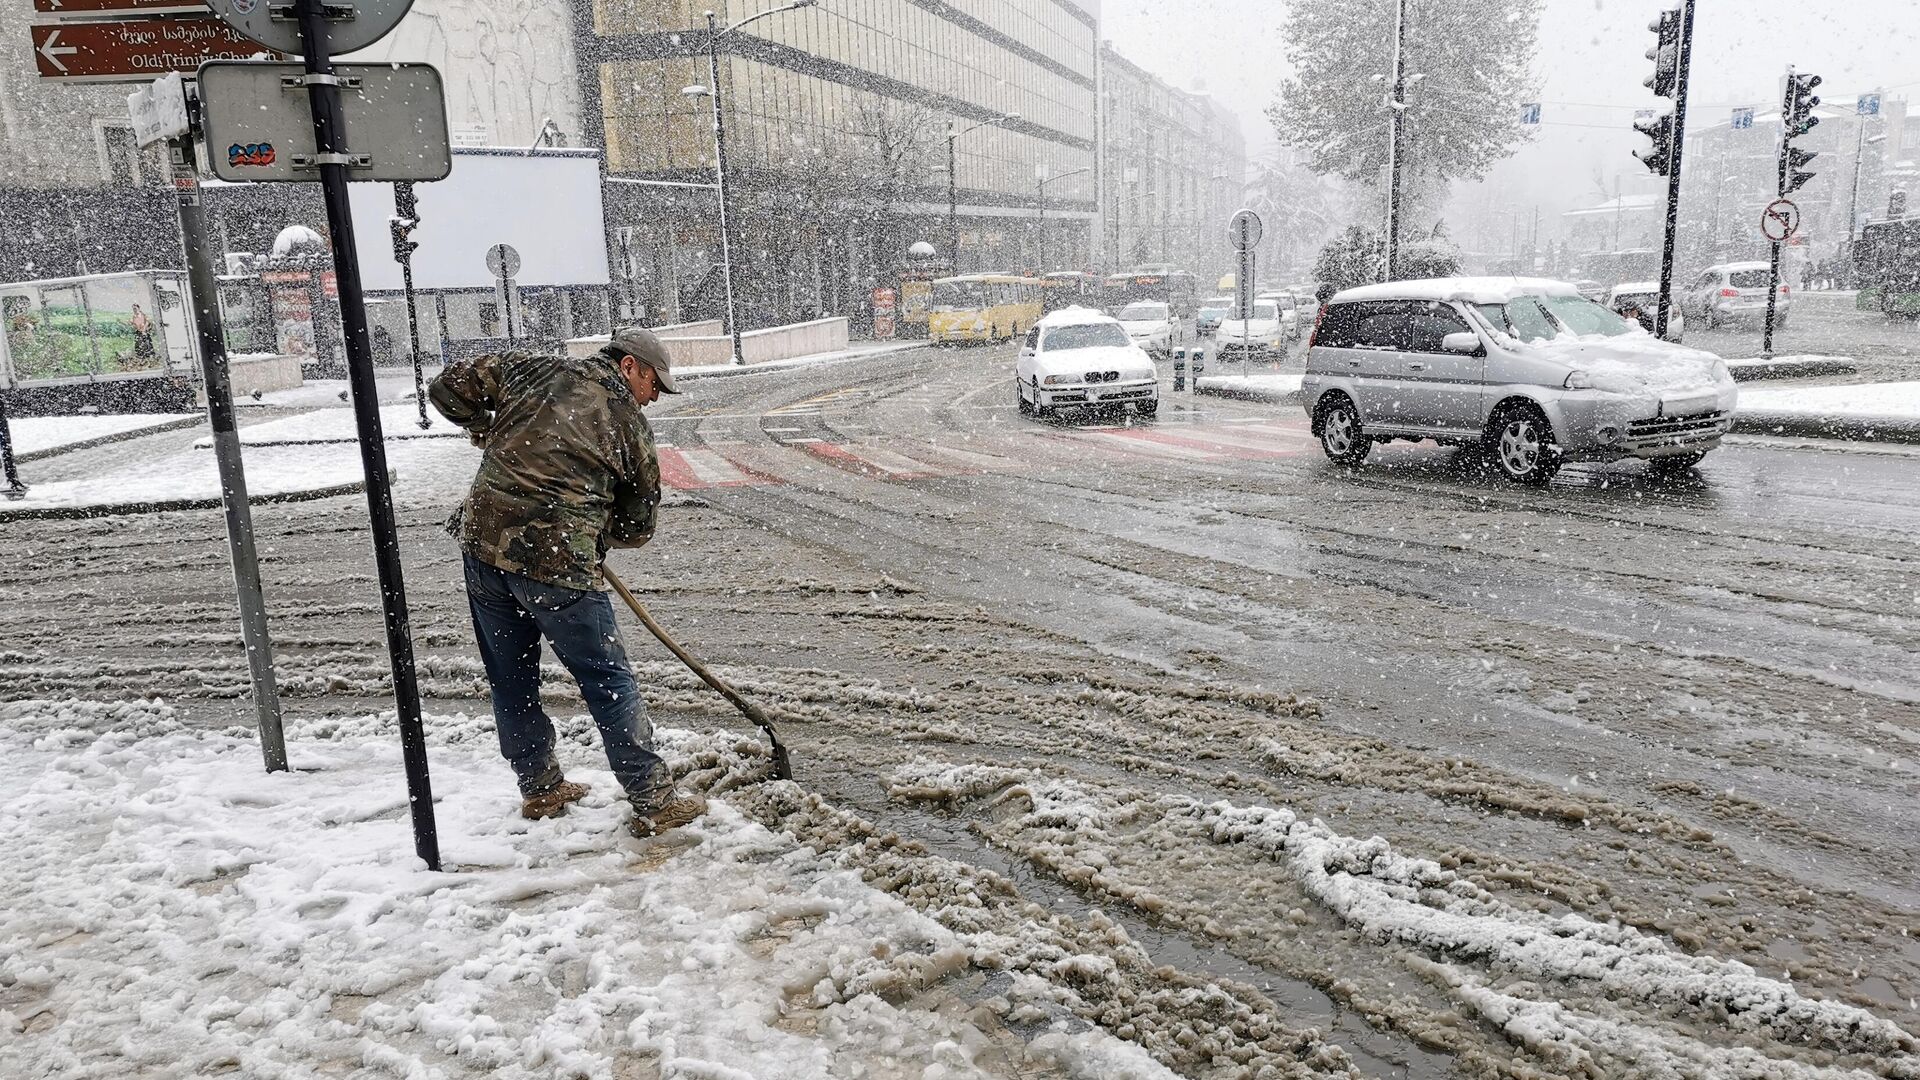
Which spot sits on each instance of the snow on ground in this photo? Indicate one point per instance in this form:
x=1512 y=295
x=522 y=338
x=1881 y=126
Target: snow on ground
x=336 y=425
x=1895 y=400
x=1262 y=385
x=191 y=477
x=392 y=384
x=39 y=434
x=1597 y=998
x=173 y=911
x=859 y=350
x=1812 y=361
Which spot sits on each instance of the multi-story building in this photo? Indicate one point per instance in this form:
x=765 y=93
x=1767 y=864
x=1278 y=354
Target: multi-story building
x=1174 y=167
x=837 y=119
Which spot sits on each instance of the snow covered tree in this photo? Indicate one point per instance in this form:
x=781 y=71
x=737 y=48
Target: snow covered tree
x=1467 y=64
x=1355 y=257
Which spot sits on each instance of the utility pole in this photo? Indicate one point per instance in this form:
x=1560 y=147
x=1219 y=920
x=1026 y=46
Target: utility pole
x=953 y=200
x=406 y=218
x=1396 y=106
x=720 y=171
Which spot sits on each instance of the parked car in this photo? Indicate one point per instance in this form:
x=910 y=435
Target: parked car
x=1151 y=324
x=1289 y=306
x=1642 y=298
x=1734 y=291
x=1529 y=370
x=1081 y=357
x=1261 y=334
x=1211 y=312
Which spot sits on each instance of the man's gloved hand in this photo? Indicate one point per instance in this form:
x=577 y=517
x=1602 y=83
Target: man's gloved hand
x=478 y=437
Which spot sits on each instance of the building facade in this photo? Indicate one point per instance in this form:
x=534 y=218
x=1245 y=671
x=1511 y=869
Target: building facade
x=837 y=119
x=1174 y=165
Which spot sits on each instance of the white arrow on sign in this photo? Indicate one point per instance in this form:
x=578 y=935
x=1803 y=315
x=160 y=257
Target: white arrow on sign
x=53 y=54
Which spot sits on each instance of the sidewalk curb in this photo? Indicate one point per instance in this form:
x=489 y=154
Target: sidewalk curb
x=1790 y=369
x=830 y=360
x=1884 y=429
x=1249 y=393
x=80 y=513
x=104 y=440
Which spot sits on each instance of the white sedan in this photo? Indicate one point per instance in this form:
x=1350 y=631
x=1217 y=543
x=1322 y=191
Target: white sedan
x=1078 y=357
x=1150 y=325
x=1265 y=332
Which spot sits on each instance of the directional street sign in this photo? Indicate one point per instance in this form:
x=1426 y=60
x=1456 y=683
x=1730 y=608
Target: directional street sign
x=259 y=125
x=138 y=49
x=1780 y=221
x=93 y=9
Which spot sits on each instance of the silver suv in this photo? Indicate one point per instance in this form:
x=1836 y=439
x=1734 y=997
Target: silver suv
x=1528 y=369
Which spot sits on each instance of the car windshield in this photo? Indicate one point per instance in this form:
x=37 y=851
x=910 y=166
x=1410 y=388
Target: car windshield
x=1537 y=318
x=1266 y=309
x=1143 y=312
x=1084 y=336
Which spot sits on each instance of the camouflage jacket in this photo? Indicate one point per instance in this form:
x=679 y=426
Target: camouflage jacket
x=570 y=468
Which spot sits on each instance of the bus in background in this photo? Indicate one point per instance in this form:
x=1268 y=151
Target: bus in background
x=1069 y=288
x=1886 y=267
x=1177 y=289
x=983 y=307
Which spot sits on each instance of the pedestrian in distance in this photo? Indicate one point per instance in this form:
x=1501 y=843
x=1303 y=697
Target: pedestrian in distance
x=570 y=472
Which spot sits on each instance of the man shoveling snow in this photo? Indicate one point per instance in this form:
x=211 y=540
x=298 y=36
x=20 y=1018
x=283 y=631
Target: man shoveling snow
x=570 y=472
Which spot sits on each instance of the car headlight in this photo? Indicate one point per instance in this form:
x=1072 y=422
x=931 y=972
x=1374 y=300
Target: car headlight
x=1056 y=380
x=1579 y=380
x=1721 y=372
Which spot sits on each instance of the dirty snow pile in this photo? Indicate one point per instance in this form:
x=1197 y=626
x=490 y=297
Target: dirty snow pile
x=170 y=910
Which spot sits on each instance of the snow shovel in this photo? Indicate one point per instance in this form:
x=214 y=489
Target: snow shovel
x=782 y=765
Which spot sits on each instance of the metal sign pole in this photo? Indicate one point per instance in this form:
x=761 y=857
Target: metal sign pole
x=1663 y=312
x=211 y=337
x=405 y=206
x=15 y=489
x=329 y=131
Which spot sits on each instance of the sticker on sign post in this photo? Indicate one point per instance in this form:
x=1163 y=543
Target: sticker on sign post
x=159 y=111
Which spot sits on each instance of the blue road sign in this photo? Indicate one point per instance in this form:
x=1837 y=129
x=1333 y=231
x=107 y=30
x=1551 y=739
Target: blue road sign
x=1530 y=113
x=1868 y=105
x=1742 y=119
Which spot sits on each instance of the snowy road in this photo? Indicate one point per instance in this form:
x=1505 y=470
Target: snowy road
x=1618 y=736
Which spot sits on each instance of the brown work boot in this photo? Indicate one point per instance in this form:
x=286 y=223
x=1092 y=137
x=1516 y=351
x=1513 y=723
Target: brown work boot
x=679 y=810
x=553 y=801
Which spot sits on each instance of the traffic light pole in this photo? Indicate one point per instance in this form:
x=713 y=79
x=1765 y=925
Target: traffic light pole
x=1788 y=99
x=1396 y=109
x=1684 y=71
x=330 y=136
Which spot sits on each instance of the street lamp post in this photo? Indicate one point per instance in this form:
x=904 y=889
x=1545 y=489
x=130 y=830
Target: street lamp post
x=1042 y=185
x=714 y=34
x=953 y=184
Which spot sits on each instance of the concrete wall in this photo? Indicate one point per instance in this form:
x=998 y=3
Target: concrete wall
x=701 y=344
x=265 y=373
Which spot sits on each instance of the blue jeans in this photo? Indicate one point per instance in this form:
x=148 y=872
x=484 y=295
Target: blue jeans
x=511 y=613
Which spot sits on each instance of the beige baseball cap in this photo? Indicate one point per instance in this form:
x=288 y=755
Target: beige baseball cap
x=640 y=343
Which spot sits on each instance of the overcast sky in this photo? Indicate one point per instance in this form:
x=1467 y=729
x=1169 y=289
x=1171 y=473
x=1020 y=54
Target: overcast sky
x=1590 y=65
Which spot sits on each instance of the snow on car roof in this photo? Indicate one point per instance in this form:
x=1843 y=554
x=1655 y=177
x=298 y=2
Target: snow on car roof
x=1731 y=267
x=1076 y=316
x=1635 y=287
x=1487 y=290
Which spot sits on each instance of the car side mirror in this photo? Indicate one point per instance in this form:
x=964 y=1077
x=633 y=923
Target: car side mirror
x=1464 y=341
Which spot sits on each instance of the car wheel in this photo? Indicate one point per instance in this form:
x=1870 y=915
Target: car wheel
x=1520 y=442
x=1675 y=465
x=1338 y=424
x=1020 y=397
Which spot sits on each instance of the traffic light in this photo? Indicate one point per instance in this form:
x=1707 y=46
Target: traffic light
x=1801 y=103
x=1798 y=120
x=1665 y=54
x=1658 y=158
x=406 y=218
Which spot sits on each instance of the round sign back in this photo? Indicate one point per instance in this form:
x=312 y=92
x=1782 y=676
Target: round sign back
x=371 y=20
x=503 y=260
x=1245 y=230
